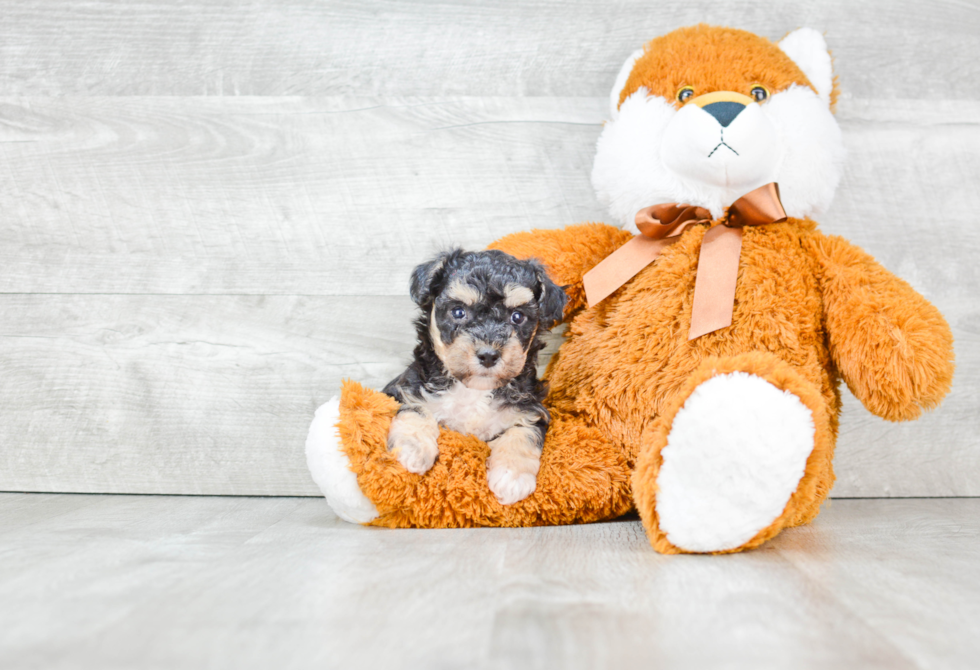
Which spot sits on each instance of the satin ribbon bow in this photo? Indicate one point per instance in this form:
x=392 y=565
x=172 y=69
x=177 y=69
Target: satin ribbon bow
x=661 y=225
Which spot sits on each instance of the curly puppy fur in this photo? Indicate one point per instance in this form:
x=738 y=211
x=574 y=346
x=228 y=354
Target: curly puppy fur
x=479 y=333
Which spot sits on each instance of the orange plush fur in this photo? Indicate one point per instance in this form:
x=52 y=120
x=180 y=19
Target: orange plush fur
x=709 y=59
x=808 y=308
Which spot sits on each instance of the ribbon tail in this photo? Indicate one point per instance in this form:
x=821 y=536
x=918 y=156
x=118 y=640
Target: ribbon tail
x=714 y=287
x=620 y=266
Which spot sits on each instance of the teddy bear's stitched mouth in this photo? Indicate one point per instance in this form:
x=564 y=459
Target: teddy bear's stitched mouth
x=722 y=144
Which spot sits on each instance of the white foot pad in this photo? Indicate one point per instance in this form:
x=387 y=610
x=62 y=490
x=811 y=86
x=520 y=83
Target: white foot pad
x=331 y=469
x=735 y=454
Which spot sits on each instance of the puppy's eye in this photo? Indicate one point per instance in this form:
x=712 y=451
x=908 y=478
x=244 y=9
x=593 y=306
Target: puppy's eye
x=458 y=313
x=517 y=318
x=685 y=94
x=759 y=93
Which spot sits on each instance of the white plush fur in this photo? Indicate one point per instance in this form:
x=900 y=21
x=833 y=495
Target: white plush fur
x=808 y=49
x=735 y=454
x=624 y=74
x=331 y=469
x=652 y=153
x=728 y=161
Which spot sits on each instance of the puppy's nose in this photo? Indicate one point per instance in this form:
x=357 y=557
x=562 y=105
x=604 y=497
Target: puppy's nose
x=488 y=357
x=725 y=106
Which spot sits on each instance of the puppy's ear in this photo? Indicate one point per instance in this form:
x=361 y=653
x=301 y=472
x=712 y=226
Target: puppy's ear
x=428 y=278
x=552 y=299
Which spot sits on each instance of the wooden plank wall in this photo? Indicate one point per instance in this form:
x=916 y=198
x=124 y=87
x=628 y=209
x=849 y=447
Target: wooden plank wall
x=210 y=209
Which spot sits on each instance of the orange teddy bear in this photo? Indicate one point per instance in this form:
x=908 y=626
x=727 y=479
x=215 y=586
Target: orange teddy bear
x=700 y=386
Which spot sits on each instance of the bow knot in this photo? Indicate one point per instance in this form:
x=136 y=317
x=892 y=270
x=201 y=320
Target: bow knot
x=669 y=220
x=661 y=225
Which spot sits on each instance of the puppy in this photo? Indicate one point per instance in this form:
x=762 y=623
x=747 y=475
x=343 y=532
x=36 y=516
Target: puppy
x=479 y=332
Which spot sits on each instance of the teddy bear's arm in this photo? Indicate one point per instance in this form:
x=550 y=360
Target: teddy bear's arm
x=567 y=253
x=892 y=346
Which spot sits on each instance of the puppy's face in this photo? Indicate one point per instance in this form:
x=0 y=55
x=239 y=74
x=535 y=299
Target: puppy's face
x=484 y=311
x=482 y=331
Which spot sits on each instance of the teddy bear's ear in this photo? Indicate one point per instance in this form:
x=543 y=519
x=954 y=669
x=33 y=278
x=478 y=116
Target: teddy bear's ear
x=624 y=74
x=809 y=51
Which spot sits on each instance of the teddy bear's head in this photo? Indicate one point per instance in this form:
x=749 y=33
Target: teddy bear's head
x=703 y=115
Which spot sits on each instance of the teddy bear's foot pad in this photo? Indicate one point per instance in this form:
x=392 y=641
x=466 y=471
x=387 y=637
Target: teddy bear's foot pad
x=330 y=467
x=735 y=454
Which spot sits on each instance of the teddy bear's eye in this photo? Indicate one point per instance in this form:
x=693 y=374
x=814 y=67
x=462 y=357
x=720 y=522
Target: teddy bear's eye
x=685 y=94
x=458 y=313
x=759 y=93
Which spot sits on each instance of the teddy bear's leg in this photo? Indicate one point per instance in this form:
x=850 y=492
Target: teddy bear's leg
x=330 y=467
x=348 y=457
x=583 y=476
x=744 y=451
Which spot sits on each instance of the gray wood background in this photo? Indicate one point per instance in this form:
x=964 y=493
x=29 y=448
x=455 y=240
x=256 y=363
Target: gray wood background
x=208 y=210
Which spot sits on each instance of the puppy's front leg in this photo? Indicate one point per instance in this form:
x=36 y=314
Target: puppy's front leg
x=413 y=438
x=512 y=468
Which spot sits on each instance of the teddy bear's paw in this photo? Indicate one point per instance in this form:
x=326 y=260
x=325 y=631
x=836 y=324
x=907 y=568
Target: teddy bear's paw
x=413 y=439
x=735 y=453
x=330 y=467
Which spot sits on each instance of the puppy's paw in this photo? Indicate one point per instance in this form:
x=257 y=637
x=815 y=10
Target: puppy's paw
x=510 y=486
x=512 y=469
x=415 y=456
x=413 y=439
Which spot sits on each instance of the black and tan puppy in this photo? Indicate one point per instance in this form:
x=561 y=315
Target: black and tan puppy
x=483 y=314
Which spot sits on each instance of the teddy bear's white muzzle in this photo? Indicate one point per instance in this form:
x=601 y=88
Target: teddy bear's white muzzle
x=733 y=146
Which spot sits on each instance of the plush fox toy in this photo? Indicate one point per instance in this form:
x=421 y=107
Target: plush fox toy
x=720 y=435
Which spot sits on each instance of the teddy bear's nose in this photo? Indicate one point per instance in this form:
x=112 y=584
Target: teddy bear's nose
x=724 y=112
x=723 y=105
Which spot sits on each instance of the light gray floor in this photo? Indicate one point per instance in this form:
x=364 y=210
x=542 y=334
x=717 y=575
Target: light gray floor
x=90 y=581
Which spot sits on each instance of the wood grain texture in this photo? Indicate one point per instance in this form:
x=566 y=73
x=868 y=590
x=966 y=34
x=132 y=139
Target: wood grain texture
x=193 y=582
x=210 y=210
x=179 y=394
x=327 y=197
x=214 y=394
x=884 y=49
x=165 y=225
x=344 y=196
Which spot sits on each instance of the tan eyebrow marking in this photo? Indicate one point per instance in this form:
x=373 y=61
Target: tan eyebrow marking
x=516 y=295
x=465 y=293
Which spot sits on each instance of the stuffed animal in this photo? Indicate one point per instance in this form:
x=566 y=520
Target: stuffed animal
x=707 y=333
